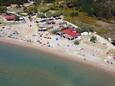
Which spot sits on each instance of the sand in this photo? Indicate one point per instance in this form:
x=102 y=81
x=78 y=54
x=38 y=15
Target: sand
x=101 y=65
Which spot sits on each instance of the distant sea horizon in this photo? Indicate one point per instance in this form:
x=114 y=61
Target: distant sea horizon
x=27 y=67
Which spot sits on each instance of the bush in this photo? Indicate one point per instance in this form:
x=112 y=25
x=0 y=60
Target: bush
x=54 y=31
x=57 y=13
x=74 y=14
x=53 y=7
x=3 y=9
x=31 y=8
x=44 y=10
x=85 y=28
x=93 y=39
x=49 y=14
x=76 y=42
x=41 y=16
x=113 y=42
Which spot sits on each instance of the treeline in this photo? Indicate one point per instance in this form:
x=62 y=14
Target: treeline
x=99 y=8
x=44 y=1
x=8 y=2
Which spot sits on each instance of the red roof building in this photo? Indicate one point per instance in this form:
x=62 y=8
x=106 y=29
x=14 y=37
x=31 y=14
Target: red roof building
x=71 y=32
x=10 y=17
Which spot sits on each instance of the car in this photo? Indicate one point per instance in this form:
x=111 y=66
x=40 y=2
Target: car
x=52 y=22
x=51 y=19
x=36 y=21
x=57 y=18
x=43 y=20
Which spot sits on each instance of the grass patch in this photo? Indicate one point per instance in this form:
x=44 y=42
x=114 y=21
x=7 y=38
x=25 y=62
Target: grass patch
x=102 y=31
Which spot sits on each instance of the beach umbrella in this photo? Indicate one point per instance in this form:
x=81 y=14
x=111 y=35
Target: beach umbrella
x=49 y=46
x=56 y=38
x=113 y=58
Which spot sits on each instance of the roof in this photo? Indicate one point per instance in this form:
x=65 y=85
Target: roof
x=71 y=32
x=10 y=17
x=67 y=36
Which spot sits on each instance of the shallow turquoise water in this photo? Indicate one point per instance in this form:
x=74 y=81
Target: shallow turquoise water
x=26 y=67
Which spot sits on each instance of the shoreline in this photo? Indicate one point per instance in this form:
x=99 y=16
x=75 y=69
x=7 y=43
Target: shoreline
x=95 y=64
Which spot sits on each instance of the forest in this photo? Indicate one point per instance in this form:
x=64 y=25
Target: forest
x=98 y=8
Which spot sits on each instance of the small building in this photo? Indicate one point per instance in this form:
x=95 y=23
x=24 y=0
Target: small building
x=10 y=17
x=84 y=33
x=68 y=37
x=71 y=33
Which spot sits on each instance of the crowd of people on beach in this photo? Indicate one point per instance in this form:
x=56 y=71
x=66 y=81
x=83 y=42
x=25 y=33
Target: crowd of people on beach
x=38 y=32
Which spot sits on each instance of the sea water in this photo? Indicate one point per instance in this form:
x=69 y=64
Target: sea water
x=27 y=67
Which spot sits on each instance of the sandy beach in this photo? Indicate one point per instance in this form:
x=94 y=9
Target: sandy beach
x=63 y=55
x=55 y=43
x=39 y=36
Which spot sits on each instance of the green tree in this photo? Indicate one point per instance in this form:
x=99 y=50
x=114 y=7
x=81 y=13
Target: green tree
x=54 y=31
x=76 y=42
x=93 y=39
x=8 y=2
x=3 y=9
x=75 y=12
x=85 y=28
x=113 y=42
